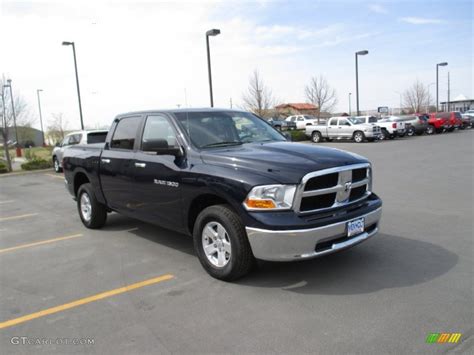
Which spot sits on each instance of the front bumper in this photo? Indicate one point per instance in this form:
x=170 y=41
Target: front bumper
x=288 y=245
x=372 y=134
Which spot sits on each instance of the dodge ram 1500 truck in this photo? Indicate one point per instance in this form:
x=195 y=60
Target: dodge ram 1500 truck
x=231 y=181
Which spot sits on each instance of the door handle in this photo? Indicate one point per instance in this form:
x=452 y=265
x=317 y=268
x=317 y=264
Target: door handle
x=105 y=161
x=140 y=165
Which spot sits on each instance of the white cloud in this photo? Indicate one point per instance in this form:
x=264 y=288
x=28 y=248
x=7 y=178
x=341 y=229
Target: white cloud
x=421 y=20
x=378 y=8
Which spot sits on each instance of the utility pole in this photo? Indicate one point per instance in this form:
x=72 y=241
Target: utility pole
x=231 y=102
x=449 y=99
x=5 y=132
x=41 y=117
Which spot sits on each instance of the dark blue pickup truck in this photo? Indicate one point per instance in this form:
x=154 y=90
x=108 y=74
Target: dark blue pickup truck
x=231 y=181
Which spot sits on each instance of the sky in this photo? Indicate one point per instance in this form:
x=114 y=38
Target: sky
x=136 y=55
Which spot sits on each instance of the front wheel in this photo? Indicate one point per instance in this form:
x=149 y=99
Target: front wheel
x=359 y=137
x=93 y=214
x=430 y=130
x=316 y=137
x=57 y=167
x=221 y=243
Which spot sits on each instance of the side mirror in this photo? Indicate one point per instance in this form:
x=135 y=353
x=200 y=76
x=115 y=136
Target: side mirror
x=160 y=147
x=287 y=136
x=57 y=144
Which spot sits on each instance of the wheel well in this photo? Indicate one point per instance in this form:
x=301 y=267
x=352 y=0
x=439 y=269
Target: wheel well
x=199 y=204
x=353 y=134
x=79 y=179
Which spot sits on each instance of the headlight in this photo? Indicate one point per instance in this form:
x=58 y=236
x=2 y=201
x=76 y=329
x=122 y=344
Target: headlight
x=270 y=197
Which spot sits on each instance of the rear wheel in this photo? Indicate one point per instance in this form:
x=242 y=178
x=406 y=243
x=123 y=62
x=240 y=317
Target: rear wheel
x=430 y=129
x=385 y=135
x=359 y=137
x=221 y=243
x=411 y=131
x=93 y=214
x=316 y=137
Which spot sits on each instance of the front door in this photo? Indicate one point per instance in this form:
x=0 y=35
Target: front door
x=117 y=165
x=157 y=183
x=344 y=128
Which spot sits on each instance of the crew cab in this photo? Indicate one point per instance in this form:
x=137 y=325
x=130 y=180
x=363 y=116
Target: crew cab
x=73 y=138
x=344 y=128
x=229 y=180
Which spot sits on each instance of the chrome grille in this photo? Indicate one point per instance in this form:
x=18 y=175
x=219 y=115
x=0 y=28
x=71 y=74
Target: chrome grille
x=334 y=187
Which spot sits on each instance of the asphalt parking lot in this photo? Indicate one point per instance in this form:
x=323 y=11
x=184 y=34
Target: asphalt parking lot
x=383 y=296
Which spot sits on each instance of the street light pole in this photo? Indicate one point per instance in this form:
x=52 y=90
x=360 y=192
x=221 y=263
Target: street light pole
x=350 y=113
x=213 y=32
x=41 y=117
x=437 y=84
x=77 y=80
x=364 y=52
x=18 y=149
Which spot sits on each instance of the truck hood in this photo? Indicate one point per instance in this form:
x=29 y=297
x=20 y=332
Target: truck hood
x=284 y=162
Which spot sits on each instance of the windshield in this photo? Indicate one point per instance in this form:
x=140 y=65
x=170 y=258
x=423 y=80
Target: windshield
x=354 y=120
x=226 y=128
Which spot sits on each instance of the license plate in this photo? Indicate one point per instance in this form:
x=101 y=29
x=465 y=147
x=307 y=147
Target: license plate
x=356 y=226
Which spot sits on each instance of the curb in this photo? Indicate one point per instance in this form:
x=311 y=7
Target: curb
x=26 y=172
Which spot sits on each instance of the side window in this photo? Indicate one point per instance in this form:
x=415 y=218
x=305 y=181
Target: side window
x=158 y=128
x=65 y=141
x=344 y=122
x=300 y=118
x=333 y=122
x=125 y=133
x=75 y=139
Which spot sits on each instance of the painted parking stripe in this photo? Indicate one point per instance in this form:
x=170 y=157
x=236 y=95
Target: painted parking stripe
x=17 y=217
x=56 y=176
x=82 y=301
x=22 y=246
x=8 y=201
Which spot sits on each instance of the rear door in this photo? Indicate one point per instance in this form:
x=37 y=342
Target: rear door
x=117 y=165
x=157 y=183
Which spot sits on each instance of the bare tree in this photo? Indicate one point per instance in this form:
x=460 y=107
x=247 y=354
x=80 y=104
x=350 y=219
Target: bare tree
x=417 y=97
x=8 y=122
x=57 y=128
x=258 y=98
x=321 y=94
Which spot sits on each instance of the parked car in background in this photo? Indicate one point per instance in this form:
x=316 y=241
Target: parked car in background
x=302 y=120
x=390 y=128
x=439 y=122
x=414 y=124
x=344 y=128
x=282 y=125
x=80 y=137
x=468 y=116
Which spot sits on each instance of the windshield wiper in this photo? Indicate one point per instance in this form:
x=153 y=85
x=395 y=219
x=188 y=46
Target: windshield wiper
x=219 y=144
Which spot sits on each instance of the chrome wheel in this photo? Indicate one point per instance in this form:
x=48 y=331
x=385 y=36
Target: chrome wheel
x=358 y=137
x=56 y=165
x=216 y=244
x=86 y=207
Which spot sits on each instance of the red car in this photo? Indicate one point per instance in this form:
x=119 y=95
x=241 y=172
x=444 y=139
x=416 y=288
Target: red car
x=438 y=122
x=454 y=119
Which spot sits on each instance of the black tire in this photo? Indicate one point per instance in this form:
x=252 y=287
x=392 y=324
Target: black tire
x=430 y=130
x=411 y=132
x=316 y=137
x=56 y=166
x=358 y=136
x=451 y=129
x=385 y=135
x=241 y=259
x=98 y=213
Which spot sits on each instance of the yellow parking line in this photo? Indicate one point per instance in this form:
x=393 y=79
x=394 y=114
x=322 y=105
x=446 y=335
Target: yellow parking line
x=56 y=176
x=83 y=301
x=9 y=201
x=40 y=243
x=18 y=217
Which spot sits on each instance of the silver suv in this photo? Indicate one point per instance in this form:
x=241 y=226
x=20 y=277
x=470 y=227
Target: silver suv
x=80 y=137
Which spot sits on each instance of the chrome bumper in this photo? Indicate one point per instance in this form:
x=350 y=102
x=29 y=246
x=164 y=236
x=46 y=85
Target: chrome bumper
x=288 y=245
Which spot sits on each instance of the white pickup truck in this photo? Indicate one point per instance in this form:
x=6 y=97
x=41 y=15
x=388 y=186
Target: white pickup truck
x=302 y=120
x=344 y=128
x=390 y=128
